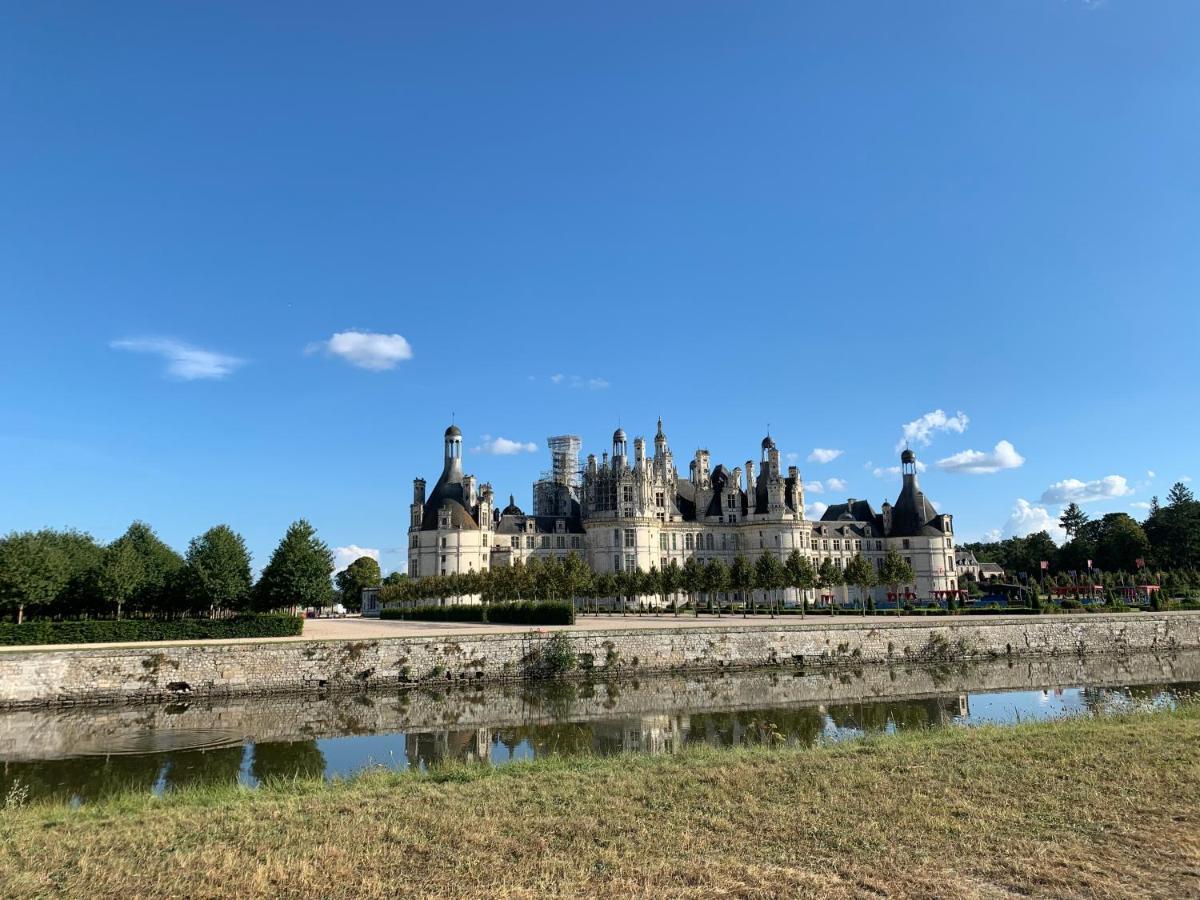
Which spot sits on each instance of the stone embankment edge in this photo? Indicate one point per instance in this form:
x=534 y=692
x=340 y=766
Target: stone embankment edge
x=148 y=673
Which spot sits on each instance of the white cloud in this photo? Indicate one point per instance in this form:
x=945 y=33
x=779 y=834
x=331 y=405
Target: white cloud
x=1072 y=490
x=835 y=484
x=894 y=471
x=1139 y=504
x=502 y=446
x=343 y=556
x=815 y=510
x=366 y=349
x=992 y=535
x=977 y=462
x=1026 y=519
x=823 y=455
x=1150 y=473
x=921 y=430
x=183 y=360
x=814 y=487
x=1186 y=478
x=578 y=382
x=792 y=457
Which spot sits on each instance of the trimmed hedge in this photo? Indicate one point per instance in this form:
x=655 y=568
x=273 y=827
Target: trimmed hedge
x=114 y=631
x=551 y=612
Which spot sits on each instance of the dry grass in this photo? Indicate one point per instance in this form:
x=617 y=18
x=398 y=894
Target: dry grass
x=1075 y=808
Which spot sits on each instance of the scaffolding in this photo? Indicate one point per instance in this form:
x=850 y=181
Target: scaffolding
x=558 y=488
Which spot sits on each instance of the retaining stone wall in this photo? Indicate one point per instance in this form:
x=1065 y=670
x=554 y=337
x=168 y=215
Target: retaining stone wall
x=138 y=673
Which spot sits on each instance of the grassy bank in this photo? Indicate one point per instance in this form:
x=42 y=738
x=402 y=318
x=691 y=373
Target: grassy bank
x=1081 y=807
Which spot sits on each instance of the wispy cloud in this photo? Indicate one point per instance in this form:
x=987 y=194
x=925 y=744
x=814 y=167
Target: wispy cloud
x=823 y=455
x=814 y=487
x=577 y=382
x=815 y=510
x=921 y=430
x=184 y=361
x=1072 y=490
x=502 y=446
x=1139 y=504
x=978 y=462
x=835 y=484
x=894 y=471
x=343 y=556
x=365 y=349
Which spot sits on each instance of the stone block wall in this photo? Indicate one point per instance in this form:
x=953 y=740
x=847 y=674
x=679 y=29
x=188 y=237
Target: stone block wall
x=147 y=672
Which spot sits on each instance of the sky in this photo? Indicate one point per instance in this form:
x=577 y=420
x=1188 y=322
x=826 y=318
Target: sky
x=254 y=258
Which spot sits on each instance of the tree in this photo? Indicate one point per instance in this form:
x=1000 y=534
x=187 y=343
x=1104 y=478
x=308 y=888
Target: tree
x=895 y=572
x=1179 y=494
x=298 y=571
x=829 y=576
x=140 y=571
x=671 y=581
x=217 y=570
x=768 y=576
x=1072 y=519
x=861 y=574
x=716 y=581
x=1121 y=543
x=799 y=574
x=576 y=577
x=604 y=585
x=692 y=581
x=741 y=579
x=363 y=573
x=33 y=572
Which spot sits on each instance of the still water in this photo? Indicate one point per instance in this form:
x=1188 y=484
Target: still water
x=84 y=753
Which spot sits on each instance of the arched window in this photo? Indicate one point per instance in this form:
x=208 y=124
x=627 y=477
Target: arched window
x=687 y=541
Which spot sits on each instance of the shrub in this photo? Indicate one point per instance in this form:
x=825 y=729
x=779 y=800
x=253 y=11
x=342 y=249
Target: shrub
x=549 y=612
x=103 y=631
x=550 y=658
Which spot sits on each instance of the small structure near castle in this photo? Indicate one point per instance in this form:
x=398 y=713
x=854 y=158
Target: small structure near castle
x=623 y=512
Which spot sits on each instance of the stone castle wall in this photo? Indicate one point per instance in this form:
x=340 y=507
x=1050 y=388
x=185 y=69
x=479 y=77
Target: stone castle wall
x=147 y=672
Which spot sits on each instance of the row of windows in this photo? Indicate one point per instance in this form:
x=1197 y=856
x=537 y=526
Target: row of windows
x=532 y=541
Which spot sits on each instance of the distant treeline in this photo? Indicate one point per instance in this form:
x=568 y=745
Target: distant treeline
x=69 y=575
x=1165 y=548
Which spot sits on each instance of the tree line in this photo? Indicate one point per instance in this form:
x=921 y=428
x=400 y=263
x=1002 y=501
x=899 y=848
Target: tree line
x=1166 y=546
x=70 y=575
x=570 y=578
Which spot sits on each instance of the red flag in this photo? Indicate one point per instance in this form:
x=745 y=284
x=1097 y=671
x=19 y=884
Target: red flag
x=1045 y=565
x=1141 y=563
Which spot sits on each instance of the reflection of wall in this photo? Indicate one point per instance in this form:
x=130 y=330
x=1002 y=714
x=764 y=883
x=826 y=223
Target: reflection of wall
x=478 y=711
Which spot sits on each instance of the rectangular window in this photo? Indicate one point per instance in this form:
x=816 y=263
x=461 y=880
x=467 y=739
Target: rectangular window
x=630 y=563
x=627 y=493
x=529 y=541
x=545 y=542
x=561 y=542
x=660 y=499
x=906 y=543
x=616 y=562
x=575 y=542
x=673 y=542
x=630 y=537
x=662 y=542
x=837 y=545
x=879 y=545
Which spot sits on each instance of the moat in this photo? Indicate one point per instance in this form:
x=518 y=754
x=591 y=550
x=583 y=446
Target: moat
x=83 y=753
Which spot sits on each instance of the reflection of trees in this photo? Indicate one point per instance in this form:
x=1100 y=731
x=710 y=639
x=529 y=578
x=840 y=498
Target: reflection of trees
x=875 y=717
x=287 y=759
x=86 y=777
x=796 y=725
x=198 y=768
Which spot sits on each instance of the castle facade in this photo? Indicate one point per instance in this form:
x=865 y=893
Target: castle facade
x=624 y=512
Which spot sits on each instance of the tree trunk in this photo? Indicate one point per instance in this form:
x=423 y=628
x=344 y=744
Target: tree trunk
x=20 y=613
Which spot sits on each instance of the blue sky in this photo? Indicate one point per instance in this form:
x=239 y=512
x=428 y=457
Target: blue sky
x=834 y=218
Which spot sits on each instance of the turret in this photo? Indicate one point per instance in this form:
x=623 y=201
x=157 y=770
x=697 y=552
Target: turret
x=452 y=459
x=418 y=491
x=750 y=478
x=639 y=452
x=619 y=444
x=660 y=440
x=908 y=468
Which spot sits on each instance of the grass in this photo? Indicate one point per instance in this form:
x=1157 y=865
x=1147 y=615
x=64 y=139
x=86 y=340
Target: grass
x=1081 y=807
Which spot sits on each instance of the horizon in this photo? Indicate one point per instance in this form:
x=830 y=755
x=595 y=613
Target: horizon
x=253 y=264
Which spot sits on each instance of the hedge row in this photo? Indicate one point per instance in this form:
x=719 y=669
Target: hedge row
x=553 y=612
x=103 y=631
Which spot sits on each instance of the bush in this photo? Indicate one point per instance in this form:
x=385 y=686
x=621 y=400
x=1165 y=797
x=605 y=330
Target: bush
x=103 y=631
x=549 y=612
x=555 y=657
x=1000 y=611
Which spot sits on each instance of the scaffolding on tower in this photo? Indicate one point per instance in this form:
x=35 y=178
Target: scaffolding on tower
x=556 y=492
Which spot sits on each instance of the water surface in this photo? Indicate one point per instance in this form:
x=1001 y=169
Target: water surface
x=84 y=753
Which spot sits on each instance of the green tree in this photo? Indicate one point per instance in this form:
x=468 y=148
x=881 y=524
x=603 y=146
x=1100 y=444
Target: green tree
x=604 y=586
x=298 y=573
x=716 y=582
x=799 y=574
x=36 y=568
x=671 y=581
x=217 y=570
x=1121 y=543
x=769 y=577
x=829 y=577
x=1179 y=494
x=896 y=571
x=861 y=574
x=576 y=577
x=140 y=571
x=741 y=579
x=1072 y=519
x=363 y=573
x=692 y=581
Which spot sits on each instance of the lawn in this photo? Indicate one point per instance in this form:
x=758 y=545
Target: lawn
x=1082 y=807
